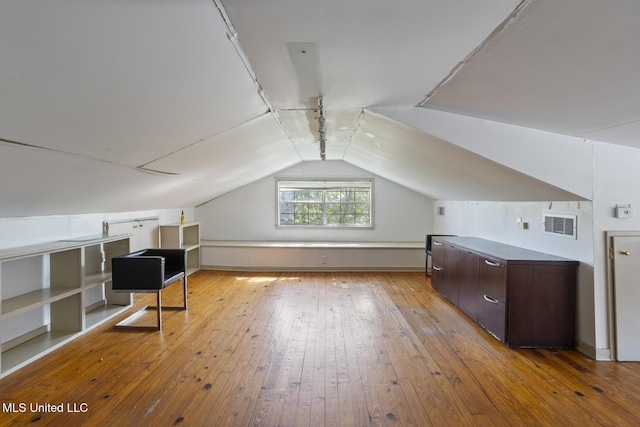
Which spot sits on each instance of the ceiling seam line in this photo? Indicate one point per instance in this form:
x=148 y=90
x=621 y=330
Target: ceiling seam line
x=611 y=127
x=81 y=156
x=53 y=150
x=359 y=121
x=232 y=36
x=204 y=139
x=475 y=51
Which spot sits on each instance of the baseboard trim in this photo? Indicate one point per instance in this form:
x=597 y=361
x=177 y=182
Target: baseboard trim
x=600 y=354
x=309 y=269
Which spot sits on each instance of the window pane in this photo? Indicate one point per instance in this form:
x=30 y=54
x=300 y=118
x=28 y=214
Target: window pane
x=333 y=210
x=362 y=220
x=334 y=219
x=333 y=196
x=286 y=208
x=286 y=219
x=319 y=203
x=286 y=196
x=362 y=196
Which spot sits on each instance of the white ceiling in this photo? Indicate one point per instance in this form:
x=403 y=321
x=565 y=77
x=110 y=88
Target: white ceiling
x=217 y=94
x=570 y=67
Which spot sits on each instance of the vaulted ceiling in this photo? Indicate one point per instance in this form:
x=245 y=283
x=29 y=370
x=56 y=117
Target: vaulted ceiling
x=111 y=106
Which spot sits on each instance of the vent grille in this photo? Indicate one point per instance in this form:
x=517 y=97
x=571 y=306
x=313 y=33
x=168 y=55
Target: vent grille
x=561 y=225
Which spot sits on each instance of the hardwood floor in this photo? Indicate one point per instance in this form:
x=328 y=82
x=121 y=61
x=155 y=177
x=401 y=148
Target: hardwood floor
x=298 y=349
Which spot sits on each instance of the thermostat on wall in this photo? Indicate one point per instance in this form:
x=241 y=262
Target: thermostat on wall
x=624 y=212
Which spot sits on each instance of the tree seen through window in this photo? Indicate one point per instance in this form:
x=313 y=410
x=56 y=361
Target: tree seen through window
x=324 y=203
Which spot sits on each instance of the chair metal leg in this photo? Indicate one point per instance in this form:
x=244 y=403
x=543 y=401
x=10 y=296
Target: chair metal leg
x=184 y=299
x=159 y=311
x=127 y=323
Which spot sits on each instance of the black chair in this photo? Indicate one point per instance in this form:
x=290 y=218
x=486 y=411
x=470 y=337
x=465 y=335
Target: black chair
x=149 y=270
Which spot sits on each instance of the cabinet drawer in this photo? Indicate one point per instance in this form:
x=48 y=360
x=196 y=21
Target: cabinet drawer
x=437 y=253
x=492 y=278
x=492 y=315
x=437 y=265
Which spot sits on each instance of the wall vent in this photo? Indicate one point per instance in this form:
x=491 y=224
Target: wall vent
x=561 y=225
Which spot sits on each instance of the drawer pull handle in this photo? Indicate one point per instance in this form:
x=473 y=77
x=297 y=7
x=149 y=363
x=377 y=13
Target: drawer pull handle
x=437 y=243
x=492 y=264
x=491 y=300
x=437 y=268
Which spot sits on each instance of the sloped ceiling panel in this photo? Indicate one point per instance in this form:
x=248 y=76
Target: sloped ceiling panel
x=122 y=81
x=560 y=160
x=228 y=161
x=569 y=67
x=439 y=169
x=41 y=182
x=368 y=52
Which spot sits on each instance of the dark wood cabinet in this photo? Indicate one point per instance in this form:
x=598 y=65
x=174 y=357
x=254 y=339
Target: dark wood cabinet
x=524 y=298
x=492 y=278
x=437 y=266
x=444 y=270
x=492 y=316
x=451 y=261
x=468 y=283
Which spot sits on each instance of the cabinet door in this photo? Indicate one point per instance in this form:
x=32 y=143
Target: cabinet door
x=492 y=278
x=437 y=265
x=468 y=283
x=541 y=310
x=144 y=233
x=451 y=275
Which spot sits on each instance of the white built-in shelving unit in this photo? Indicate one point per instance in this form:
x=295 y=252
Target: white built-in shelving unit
x=183 y=236
x=51 y=293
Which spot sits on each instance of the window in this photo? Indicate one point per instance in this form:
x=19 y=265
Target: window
x=344 y=203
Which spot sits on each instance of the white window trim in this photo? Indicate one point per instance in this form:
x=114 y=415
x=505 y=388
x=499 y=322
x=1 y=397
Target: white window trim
x=348 y=182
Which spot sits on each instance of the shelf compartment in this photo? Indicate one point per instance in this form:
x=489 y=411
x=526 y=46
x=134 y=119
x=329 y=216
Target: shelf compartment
x=22 y=303
x=45 y=288
x=193 y=261
x=180 y=236
x=34 y=348
x=97 y=279
x=103 y=313
x=64 y=267
x=183 y=236
x=191 y=234
x=94 y=261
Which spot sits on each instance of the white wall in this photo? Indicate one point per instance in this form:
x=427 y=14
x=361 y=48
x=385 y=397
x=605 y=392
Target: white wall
x=16 y=232
x=616 y=181
x=249 y=213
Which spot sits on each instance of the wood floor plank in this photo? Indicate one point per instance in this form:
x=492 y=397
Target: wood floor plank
x=327 y=349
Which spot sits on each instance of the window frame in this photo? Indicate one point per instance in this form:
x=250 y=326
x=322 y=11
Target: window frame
x=325 y=184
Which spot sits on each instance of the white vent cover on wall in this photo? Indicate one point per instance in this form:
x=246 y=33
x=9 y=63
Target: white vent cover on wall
x=561 y=225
